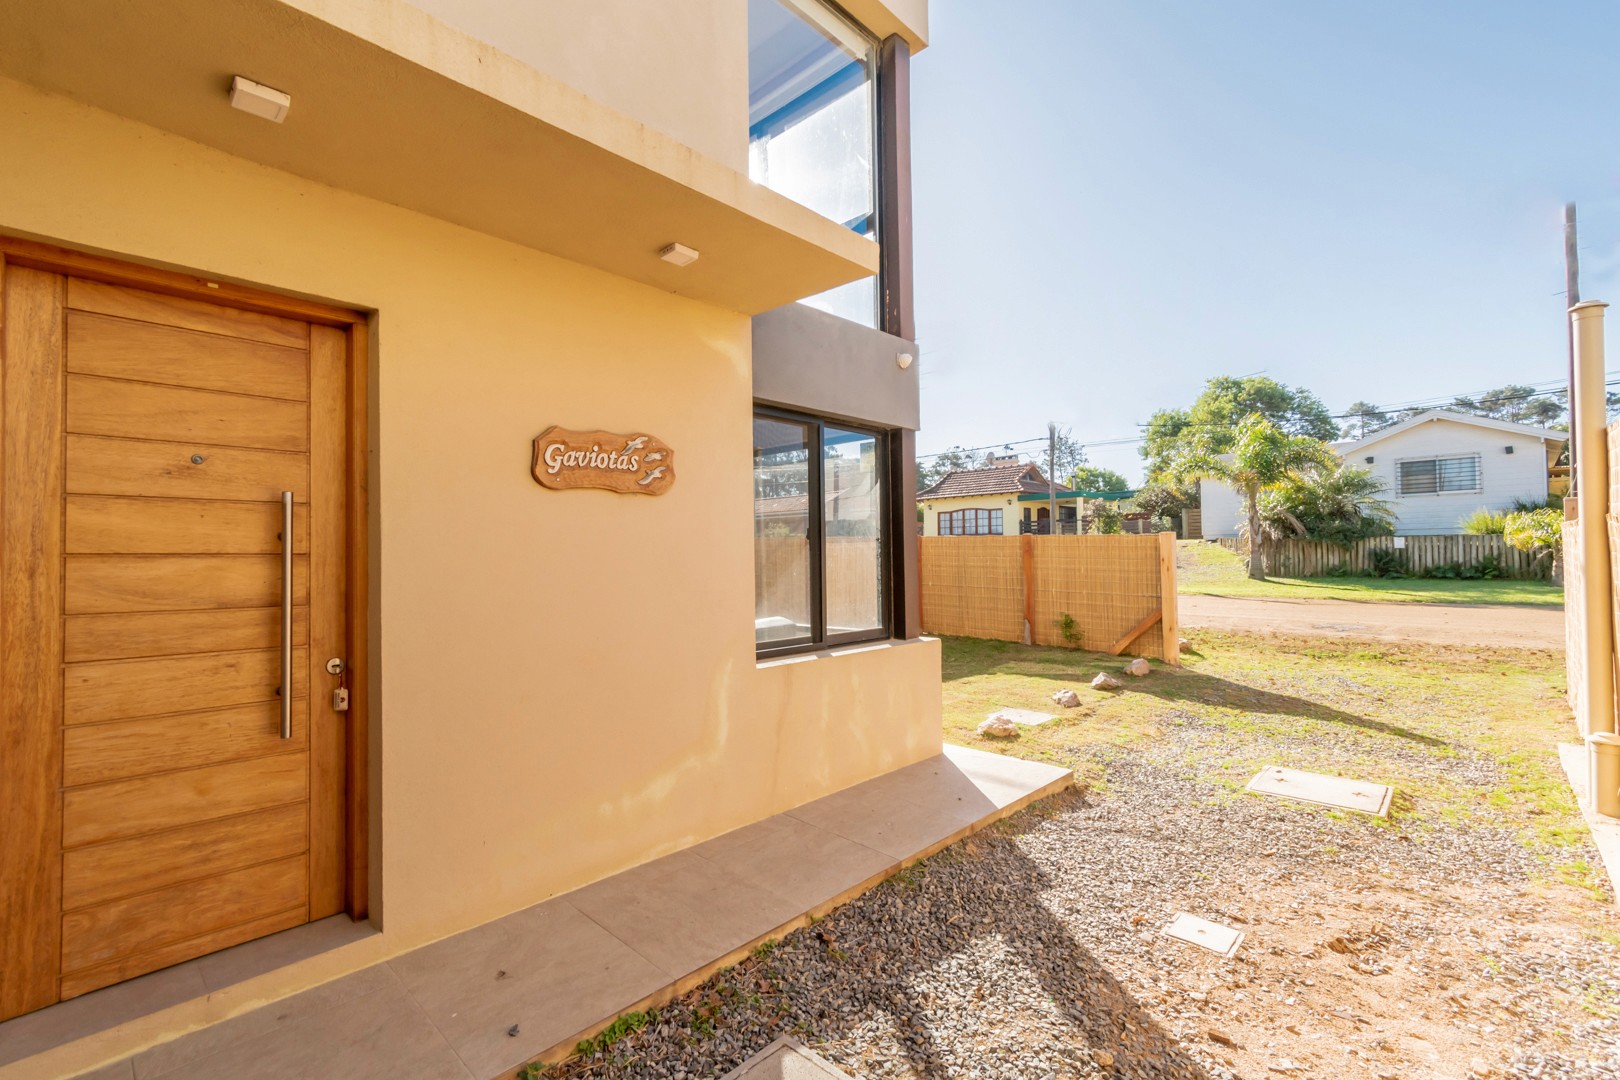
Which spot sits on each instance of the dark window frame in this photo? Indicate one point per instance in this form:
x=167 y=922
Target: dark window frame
x=816 y=531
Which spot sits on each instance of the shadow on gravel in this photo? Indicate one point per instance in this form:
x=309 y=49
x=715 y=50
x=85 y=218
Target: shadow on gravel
x=1207 y=689
x=1107 y=1017
x=961 y=956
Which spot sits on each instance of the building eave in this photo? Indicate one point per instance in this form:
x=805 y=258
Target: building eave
x=393 y=105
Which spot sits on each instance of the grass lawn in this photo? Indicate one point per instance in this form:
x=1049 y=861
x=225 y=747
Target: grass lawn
x=1211 y=570
x=1466 y=736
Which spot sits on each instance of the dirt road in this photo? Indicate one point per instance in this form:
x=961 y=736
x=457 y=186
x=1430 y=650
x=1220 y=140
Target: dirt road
x=1501 y=626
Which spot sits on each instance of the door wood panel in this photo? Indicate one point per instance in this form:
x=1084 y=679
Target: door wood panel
x=174 y=311
x=168 y=633
x=146 y=352
x=126 y=689
x=150 y=811
x=30 y=636
x=96 y=753
x=100 y=524
x=102 y=873
x=99 y=584
x=95 y=935
x=103 y=466
x=75 y=983
x=135 y=410
x=150 y=804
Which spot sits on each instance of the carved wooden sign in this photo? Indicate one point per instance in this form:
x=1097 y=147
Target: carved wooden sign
x=628 y=464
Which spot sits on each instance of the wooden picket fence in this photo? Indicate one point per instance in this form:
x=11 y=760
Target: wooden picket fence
x=1113 y=593
x=1315 y=558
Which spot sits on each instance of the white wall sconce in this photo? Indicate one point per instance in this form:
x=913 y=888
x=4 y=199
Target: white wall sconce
x=904 y=360
x=679 y=255
x=259 y=100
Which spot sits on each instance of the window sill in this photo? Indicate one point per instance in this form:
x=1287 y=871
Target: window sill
x=835 y=651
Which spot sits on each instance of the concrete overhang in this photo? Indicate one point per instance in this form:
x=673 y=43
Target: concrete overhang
x=908 y=18
x=390 y=103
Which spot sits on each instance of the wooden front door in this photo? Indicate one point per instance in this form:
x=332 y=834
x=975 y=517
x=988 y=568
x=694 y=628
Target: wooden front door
x=152 y=809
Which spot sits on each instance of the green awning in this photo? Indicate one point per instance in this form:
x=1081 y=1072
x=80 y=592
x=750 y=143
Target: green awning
x=1062 y=496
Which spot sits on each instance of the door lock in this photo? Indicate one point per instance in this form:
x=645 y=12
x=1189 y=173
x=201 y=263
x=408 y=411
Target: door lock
x=340 y=696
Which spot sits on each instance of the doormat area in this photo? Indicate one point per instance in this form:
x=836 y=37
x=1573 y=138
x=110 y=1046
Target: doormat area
x=1334 y=791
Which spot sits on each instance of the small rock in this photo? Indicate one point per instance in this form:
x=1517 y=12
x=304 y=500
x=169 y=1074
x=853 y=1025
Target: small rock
x=1066 y=698
x=1139 y=667
x=512 y=1032
x=1220 y=1037
x=1103 y=1058
x=1283 y=1066
x=1105 y=681
x=1479 y=1068
x=1184 y=645
x=999 y=727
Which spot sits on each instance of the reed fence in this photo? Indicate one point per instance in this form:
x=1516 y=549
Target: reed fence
x=1316 y=558
x=1113 y=593
x=852 y=579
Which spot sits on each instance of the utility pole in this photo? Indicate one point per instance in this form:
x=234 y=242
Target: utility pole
x=1051 y=475
x=1572 y=296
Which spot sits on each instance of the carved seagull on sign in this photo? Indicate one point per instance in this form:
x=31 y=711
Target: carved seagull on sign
x=651 y=476
x=634 y=444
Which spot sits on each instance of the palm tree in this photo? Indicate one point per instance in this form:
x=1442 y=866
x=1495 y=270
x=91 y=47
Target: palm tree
x=1328 y=501
x=1262 y=457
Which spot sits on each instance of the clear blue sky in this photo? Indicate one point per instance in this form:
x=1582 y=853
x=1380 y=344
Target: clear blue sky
x=1118 y=199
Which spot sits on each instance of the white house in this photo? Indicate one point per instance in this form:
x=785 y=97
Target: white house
x=1437 y=468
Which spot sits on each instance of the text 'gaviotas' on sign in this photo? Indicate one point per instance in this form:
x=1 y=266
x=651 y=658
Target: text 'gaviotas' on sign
x=635 y=464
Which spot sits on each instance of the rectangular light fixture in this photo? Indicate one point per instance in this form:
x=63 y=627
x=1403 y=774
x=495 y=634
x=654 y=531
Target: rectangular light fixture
x=678 y=255
x=260 y=100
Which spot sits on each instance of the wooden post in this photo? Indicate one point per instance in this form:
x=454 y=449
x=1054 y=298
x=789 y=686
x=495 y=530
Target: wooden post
x=1572 y=296
x=1026 y=544
x=1171 y=624
x=921 y=626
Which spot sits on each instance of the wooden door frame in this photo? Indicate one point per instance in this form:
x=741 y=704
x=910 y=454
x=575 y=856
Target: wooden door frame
x=18 y=251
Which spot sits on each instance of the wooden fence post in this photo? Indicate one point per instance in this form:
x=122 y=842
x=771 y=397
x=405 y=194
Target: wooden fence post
x=1170 y=624
x=1026 y=546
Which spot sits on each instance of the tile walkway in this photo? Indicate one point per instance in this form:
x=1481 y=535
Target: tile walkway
x=528 y=986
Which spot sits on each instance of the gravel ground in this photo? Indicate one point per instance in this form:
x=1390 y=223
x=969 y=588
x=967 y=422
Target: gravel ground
x=1034 y=949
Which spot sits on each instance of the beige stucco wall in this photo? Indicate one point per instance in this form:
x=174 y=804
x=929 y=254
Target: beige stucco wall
x=567 y=679
x=684 y=71
x=1009 y=506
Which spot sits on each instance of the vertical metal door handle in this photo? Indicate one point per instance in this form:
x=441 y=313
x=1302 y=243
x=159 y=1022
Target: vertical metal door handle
x=286 y=613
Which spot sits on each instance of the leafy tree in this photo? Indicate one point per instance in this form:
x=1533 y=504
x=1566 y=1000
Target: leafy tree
x=1162 y=500
x=1093 y=478
x=930 y=470
x=1362 y=419
x=1327 y=502
x=1225 y=402
x=1515 y=403
x=1262 y=456
x=1107 y=517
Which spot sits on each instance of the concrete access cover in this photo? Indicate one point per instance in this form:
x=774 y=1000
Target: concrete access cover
x=1205 y=934
x=1027 y=717
x=1322 y=790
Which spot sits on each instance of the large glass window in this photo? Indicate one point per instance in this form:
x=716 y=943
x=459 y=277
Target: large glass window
x=812 y=124
x=820 y=557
